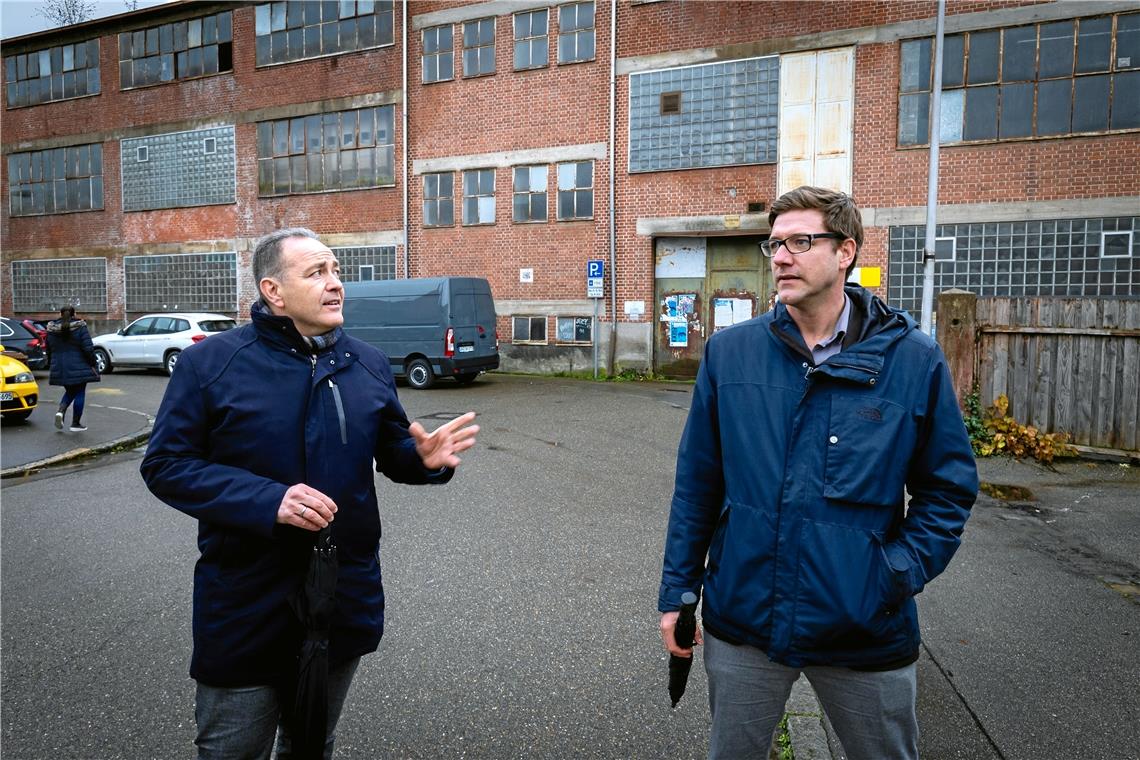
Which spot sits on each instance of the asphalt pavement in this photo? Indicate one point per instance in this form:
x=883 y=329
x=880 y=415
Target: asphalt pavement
x=520 y=617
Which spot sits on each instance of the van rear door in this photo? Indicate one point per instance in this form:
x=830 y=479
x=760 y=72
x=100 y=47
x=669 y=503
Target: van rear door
x=473 y=318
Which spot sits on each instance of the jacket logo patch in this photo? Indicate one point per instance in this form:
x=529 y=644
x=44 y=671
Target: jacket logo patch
x=870 y=413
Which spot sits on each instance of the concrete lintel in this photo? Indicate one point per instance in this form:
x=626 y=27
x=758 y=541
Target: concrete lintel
x=477 y=10
x=367 y=100
x=962 y=22
x=550 y=155
x=358 y=239
x=565 y=308
x=696 y=226
x=1005 y=212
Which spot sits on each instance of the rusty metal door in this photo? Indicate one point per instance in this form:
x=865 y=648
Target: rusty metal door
x=739 y=282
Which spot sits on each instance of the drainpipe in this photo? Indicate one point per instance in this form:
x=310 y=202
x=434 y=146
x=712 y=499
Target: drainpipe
x=404 y=122
x=932 y=177
x=613 y=161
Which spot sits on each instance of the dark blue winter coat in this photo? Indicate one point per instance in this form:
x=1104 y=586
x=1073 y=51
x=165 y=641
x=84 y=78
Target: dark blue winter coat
x=72 y=354
x=248 y=413
x=790 y=479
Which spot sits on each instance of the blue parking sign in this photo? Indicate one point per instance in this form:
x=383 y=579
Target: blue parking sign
x=596 y=268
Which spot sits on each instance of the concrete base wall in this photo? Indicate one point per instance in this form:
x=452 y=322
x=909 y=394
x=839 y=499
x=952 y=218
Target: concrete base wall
x=634 y=351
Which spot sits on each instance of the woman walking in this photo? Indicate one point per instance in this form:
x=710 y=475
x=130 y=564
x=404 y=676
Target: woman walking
x=72 y=365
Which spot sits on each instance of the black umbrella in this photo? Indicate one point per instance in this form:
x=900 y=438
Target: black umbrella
x=313 y=603
x=683 y=633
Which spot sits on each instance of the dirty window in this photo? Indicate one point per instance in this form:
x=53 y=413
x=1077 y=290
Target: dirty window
x=56 y=181
x=1075 y=76
x=439 y=56
x=57 y=73
x=292 y=31
x=196 y=47
x=576 y=32
x=479 y=47
x=528 y=330
x=530 y=40
x=529 y=194
x=439 y=200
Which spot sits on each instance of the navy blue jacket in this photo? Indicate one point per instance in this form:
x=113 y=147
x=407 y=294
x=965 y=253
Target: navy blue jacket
x=248 y=413
x=72 y=354
x=790 y=479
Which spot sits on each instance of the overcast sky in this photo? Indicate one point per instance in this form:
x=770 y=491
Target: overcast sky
x=19 y=17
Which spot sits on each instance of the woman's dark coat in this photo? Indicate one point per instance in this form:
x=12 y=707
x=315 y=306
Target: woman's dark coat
x=72 y=354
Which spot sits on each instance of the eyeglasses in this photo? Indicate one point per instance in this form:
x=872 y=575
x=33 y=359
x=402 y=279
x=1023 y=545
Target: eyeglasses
x=796 y=243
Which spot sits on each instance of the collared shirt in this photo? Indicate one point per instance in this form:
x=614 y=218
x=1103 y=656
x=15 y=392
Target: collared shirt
x=826 y=349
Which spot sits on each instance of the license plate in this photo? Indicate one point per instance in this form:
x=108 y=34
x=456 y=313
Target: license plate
x=466 y=349
x=7 y=396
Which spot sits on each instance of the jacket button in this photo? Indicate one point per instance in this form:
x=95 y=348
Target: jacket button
x=872 y=381
x=834 y=439
x=805 y=365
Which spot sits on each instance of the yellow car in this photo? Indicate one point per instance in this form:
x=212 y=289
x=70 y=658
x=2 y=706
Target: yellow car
x=19 y=392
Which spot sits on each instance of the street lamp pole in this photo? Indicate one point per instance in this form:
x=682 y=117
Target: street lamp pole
x=932 y=176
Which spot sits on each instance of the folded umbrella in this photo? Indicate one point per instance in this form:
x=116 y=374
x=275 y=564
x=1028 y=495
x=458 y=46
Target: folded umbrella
x=313 y=602
x=683 y=633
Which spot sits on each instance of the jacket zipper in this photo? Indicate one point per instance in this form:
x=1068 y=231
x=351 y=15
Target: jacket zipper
x=339 y=412
x=313 y=359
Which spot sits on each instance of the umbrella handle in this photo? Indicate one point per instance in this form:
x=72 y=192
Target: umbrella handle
x=686 y=628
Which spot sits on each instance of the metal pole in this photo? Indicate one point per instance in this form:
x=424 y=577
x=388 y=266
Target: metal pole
x=404 y=120
x=613 y=160
x=932 y=177
x=594 y=334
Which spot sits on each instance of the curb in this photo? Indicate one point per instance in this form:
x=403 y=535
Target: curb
x=806 y=733
x=127 y=440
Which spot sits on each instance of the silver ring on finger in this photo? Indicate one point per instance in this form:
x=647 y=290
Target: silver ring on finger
x=301 y=514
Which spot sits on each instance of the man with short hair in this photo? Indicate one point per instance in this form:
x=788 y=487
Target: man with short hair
x=267 y=434
x=807 y=424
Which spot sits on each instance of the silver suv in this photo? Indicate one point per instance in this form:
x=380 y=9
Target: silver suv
x=156 y=340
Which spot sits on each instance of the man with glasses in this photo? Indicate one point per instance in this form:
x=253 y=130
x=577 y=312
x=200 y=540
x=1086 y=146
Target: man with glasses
x=808 y=427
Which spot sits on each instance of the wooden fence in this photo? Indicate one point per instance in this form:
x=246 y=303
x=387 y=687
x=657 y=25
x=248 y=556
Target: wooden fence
x=1068 y=365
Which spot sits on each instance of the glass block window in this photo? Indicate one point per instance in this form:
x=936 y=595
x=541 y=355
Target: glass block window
x=374 y=262
x=576 y=190
x=530 y=194
x=56 y=73
x=177 y=169
x=1048 y=79
x=531 y=40
x=528 y=330
x=56 y=181
x=726 y=115
x=1062 y=257
x=479 y=196
x=439 y=57
x=439 y=200
x=479 y=47
x=48 y=284
x=343 y=150
x=181 y=282
x=575 y=329
x=293 y=31
x=576 y=32
x=180 y=50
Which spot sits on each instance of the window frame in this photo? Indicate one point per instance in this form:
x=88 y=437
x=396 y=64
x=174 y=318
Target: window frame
x=575 y=189
x=481 y=47
x=530 y=193
x=1128 y=245
x=19 y=87
x=532 y=320
x=311 y=27
x=479 y=174
x=576 y=32
x=438 y=199
x=33 y=174
x=1097 y=80
x=530 y=38
x=290 y=142
x=574 y=329
x=438 y=54
x=183 y=49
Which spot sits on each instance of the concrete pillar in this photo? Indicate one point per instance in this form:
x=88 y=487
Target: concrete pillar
x=957 y=334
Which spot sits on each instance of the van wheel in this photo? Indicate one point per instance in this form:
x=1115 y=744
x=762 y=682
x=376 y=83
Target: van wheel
x=419 y=374
x=466 y=378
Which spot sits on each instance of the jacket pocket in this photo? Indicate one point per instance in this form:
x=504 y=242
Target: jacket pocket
x=847 y=595
x=868 y=439
x=739 y=575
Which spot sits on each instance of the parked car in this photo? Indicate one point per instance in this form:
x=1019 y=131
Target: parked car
x=429 y=327
x=16 y=337
x=156 y=340
x=19 y=392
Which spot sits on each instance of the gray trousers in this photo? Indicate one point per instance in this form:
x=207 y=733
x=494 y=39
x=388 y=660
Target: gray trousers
x=241 y=723
x=873 y=713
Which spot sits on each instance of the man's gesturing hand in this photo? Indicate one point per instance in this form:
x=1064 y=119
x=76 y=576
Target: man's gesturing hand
x=439 y=448
x=306 y=508
x=668 y=625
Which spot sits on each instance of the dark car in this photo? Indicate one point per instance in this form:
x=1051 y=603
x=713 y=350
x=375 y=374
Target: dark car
x=15 y=336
